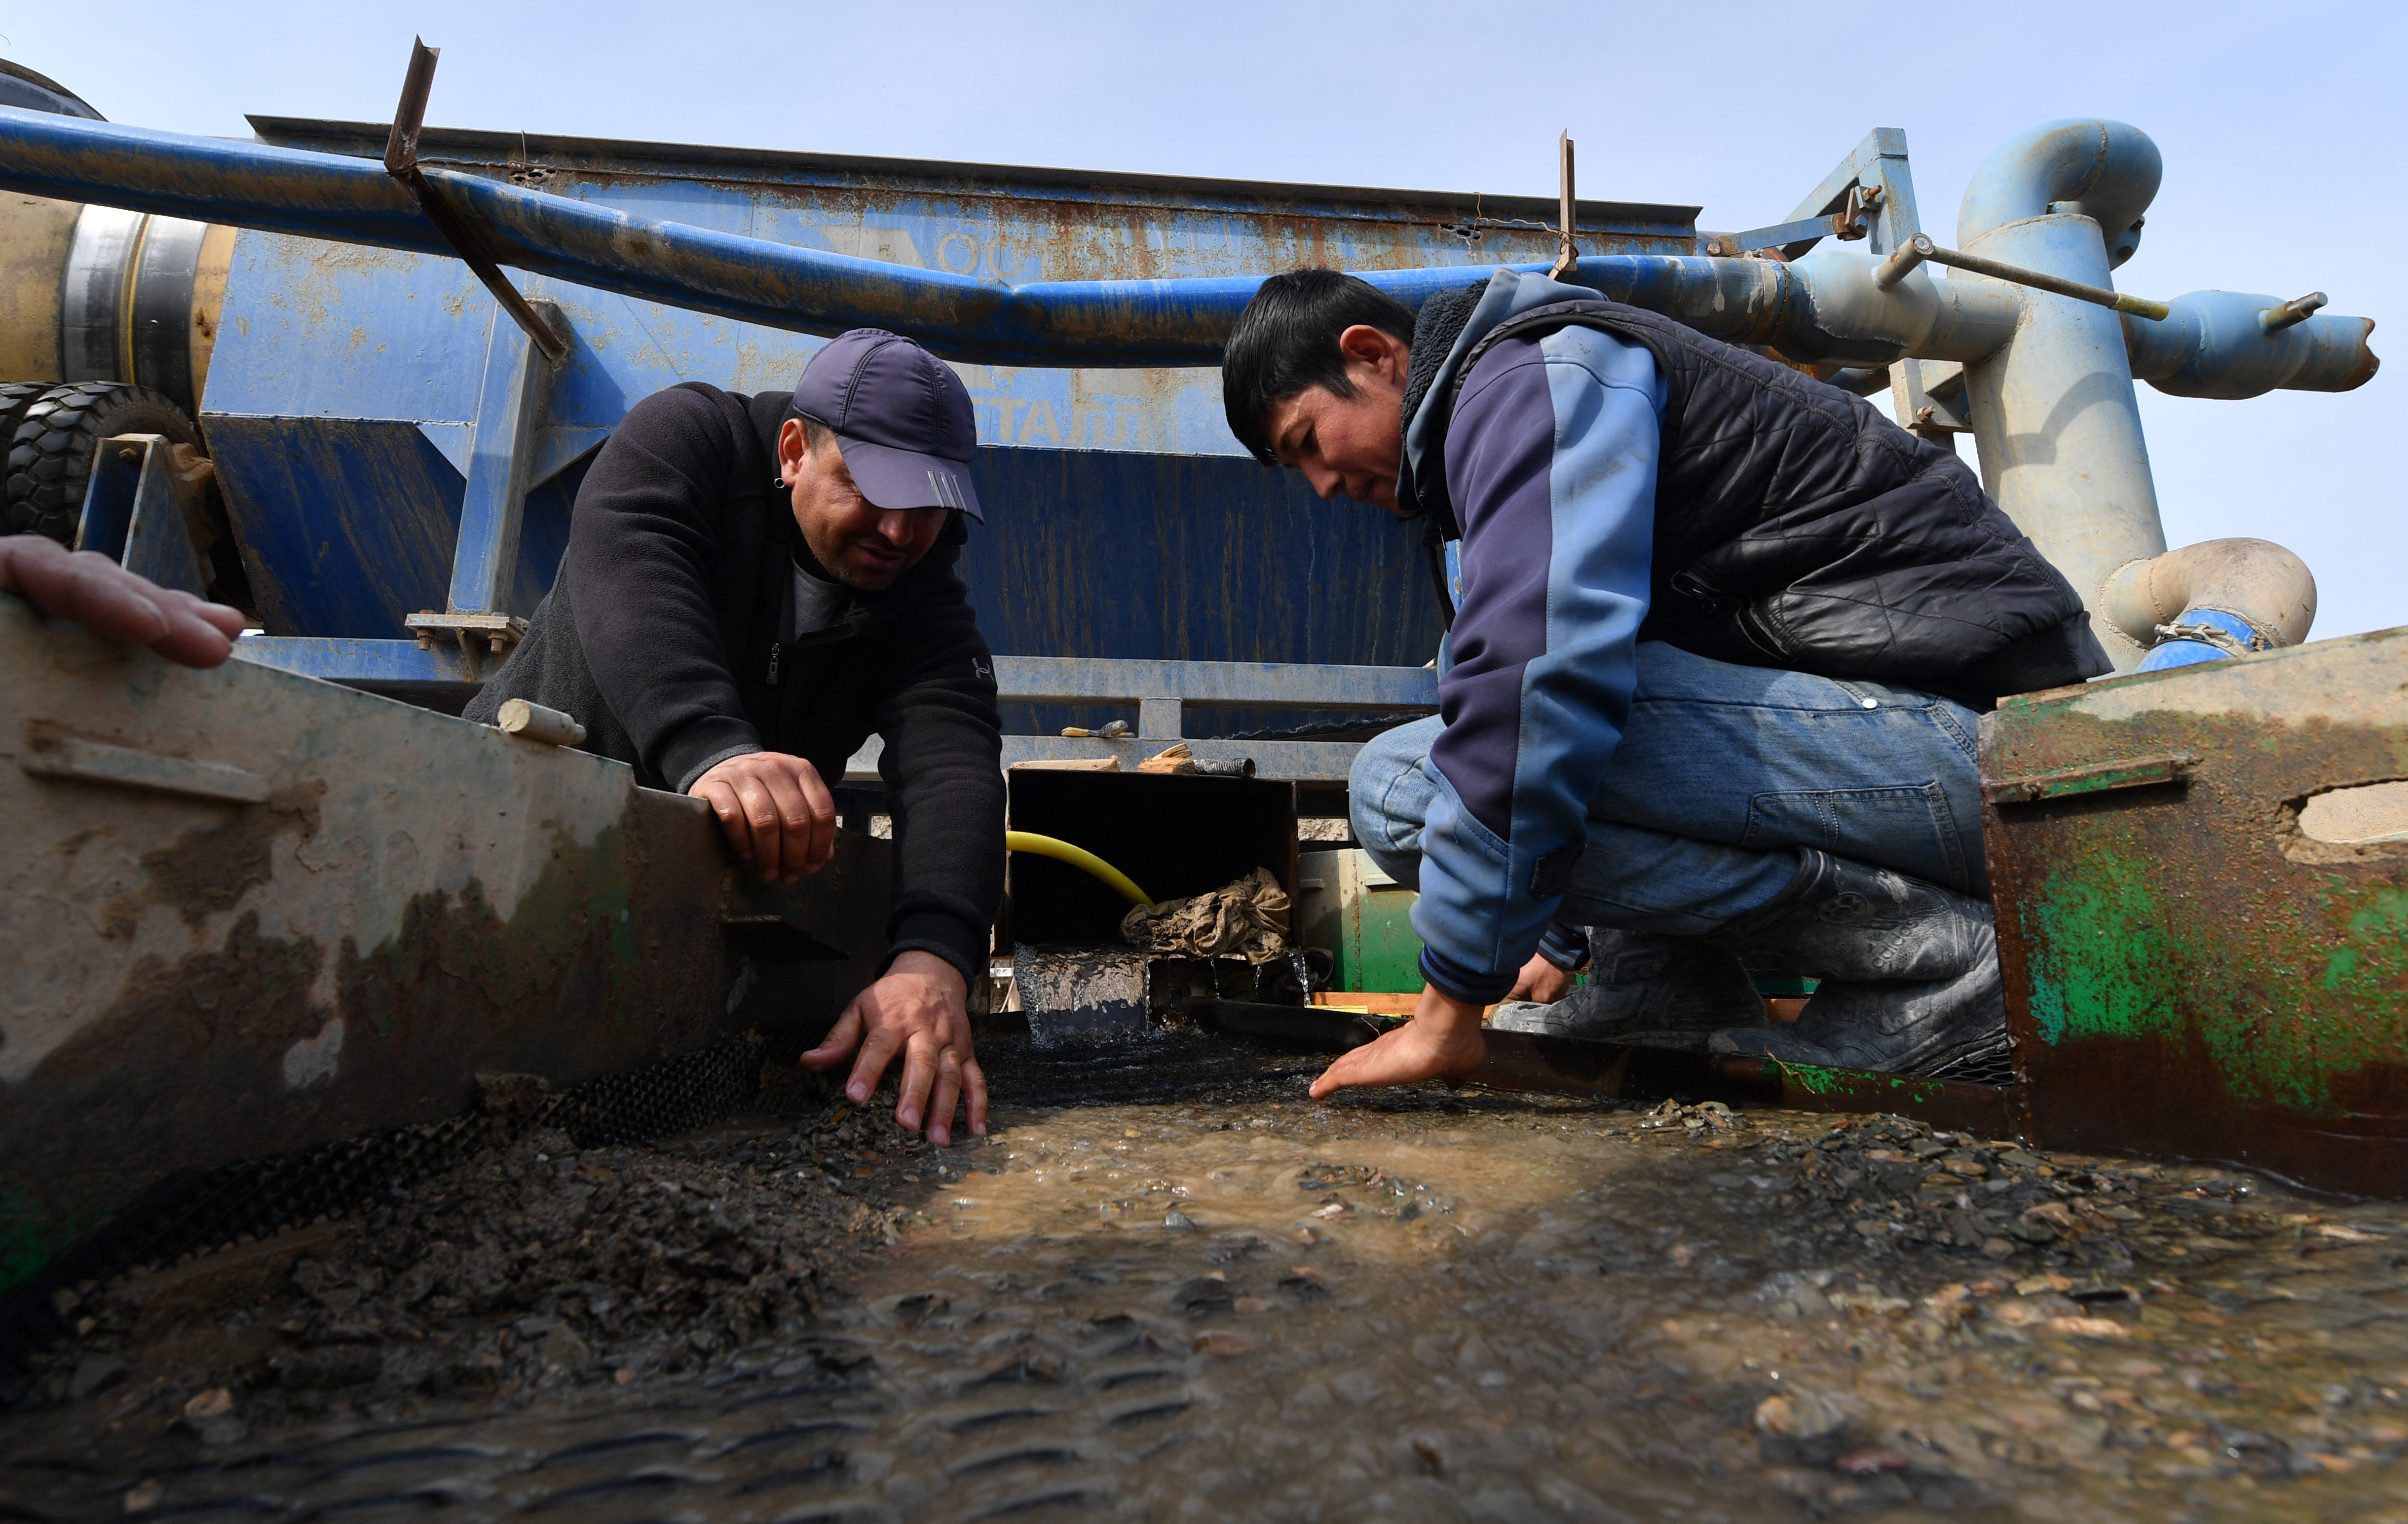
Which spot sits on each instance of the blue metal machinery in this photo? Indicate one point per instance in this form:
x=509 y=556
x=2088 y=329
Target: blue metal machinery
x=398 y=457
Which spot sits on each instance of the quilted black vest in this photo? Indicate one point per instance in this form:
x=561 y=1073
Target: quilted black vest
x=1796 y=527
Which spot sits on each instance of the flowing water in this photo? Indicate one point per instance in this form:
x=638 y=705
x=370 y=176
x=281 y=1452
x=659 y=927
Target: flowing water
x=1170 y=1285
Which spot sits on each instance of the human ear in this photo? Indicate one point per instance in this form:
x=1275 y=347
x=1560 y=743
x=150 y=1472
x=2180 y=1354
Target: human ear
x=1375 y=348
x=794 y=446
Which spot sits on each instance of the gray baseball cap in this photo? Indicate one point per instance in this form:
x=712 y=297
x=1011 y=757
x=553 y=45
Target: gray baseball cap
x=901 y=416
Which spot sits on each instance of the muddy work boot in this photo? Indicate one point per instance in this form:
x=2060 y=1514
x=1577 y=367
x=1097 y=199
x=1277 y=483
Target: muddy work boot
x=1647 y=990
x=1908 y=974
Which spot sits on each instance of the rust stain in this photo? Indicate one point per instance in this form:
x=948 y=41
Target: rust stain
x=2188 y=973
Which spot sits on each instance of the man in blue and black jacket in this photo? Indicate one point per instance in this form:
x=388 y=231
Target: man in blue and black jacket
x=1720 y=637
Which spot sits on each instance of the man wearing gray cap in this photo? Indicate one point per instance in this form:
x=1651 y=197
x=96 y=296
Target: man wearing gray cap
x=753 y=587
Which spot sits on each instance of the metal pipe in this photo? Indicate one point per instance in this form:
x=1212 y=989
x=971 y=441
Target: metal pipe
x=2209 y=600
x=2103 y=170
x=1825 y=308
x=1920 y=248
x=1899 y=265
x=2053 y=409
x=1834 y=311
x=2220 y=344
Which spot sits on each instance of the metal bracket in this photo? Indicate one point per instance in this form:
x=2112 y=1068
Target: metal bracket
x=52 y=755
x=1871 y=195
x=2098 y=778
x=1931 y=397
x=1852 y=222
x=139 y=506
x=502 y=444
x=501 y=452
x=465 y=237
x=480 y=635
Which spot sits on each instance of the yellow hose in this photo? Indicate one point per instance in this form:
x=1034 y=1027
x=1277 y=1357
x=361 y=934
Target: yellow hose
x=1046 y=846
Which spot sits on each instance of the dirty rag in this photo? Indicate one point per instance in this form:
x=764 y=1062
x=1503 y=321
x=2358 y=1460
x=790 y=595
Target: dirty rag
x=1246 y=919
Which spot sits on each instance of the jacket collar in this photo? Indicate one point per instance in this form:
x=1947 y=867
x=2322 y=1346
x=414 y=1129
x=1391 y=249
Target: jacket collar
x=1449 y=329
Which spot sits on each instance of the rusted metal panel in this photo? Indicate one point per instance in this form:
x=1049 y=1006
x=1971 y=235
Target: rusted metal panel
x=2189 y=972
x=251 y=912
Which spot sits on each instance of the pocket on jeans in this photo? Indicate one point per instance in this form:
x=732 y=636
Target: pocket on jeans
x=1909 y=828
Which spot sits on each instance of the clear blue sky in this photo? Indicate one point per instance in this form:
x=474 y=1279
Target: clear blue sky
x=2282 y=128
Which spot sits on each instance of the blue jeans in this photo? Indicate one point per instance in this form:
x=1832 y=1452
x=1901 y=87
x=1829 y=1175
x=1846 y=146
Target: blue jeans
x=1724 y=772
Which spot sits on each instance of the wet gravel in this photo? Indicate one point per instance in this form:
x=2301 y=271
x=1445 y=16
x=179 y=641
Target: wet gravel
x=1171 y=1285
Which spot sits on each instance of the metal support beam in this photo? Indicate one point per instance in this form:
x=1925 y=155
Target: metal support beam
x=501 y=455
x=1214 y=684
x=1157 y=717
x=1284 y=761
x=503 y=440
x=133 y=512
x=1877 y=164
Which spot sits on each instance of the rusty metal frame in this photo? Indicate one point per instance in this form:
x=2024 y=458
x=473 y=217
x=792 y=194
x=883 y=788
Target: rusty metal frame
x=2189 y=973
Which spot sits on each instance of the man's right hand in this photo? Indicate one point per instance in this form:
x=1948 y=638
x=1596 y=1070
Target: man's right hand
x=777 y=814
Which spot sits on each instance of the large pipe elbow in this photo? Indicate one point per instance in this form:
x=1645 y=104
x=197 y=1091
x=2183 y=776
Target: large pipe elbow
x=2106 y=171
x=2211 y=600
x=2214 y=345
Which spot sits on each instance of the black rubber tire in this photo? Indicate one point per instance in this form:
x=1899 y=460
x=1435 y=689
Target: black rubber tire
x=15 y=398
x=50 y=450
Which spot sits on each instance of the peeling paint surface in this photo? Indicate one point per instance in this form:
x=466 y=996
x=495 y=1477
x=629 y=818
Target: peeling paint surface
x=340 y=398
x=2187 y=970
x=190 y=982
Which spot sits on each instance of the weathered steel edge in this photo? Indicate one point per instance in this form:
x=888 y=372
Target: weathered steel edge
x=512 y=152
x=338 y=959
x=2189 y=975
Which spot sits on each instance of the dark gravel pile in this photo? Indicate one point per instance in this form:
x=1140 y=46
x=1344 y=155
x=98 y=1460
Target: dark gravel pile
x=1884 y=1187
x=534 y=1266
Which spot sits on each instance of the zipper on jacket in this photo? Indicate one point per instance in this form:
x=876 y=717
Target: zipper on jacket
x=775 y=647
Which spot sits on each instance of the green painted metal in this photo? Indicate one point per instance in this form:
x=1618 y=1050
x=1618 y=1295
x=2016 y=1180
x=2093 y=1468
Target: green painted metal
x=1364 y=918
x=2191 y=968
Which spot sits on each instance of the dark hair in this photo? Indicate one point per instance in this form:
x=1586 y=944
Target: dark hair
x=1287 y=340
x=815 y=434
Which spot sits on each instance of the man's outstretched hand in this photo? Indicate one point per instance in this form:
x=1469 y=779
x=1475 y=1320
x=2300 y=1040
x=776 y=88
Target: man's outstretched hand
x=919 y=1011
x=1441 y=1041
x=115 y=604
x=778 y=814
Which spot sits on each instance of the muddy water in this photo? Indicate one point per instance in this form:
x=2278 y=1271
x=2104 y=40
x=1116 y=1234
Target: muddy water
x=1172 y=1286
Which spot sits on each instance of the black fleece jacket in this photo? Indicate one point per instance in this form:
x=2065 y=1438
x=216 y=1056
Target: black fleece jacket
x=666 y=635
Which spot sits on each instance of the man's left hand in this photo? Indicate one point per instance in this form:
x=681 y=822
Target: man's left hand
x=919 y=1009
x=1441 y=1041
x=1541 y=981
